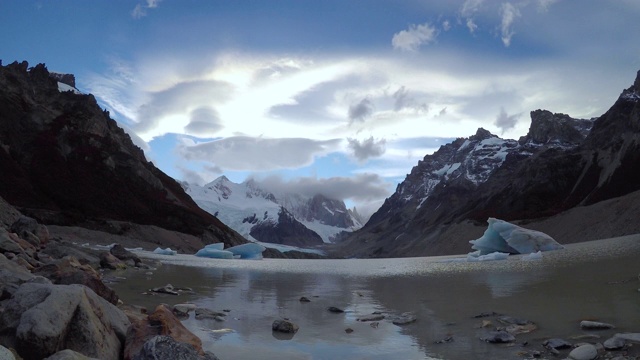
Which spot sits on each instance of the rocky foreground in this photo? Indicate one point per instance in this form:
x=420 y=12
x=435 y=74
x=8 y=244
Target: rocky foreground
x=54 y=304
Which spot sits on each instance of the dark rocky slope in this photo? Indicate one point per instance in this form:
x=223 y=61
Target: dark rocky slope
x=561 y=164
x=64 y=161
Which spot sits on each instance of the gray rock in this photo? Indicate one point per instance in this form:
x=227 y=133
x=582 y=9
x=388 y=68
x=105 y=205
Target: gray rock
x=202 y=313
x=284 y=326
x=497 y=337
x=614 y=343
x=59 y=250
x=69 y=355
x=42 y=319
x=372 y=317
x=304 y=299
x=584 y=352
x=334 y=309
x=123 y=254
x=7 y=244
x=165 y=347
x=557 y=344
x=184 y=308
x=632 y=337
x=28 y=229
x=404 y=319
x=5 y=354
x=595 y=325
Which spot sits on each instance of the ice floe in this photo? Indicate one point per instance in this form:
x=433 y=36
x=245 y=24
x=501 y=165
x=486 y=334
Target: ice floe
x=509 y=238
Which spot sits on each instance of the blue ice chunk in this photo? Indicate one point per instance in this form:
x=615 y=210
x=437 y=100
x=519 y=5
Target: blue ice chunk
x=248 y=251
x=216 y=246
x=214 y=253
x=166 y=251
x=505 y=237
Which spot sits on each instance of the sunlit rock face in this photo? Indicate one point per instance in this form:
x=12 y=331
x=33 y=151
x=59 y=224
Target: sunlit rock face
x=505 y=237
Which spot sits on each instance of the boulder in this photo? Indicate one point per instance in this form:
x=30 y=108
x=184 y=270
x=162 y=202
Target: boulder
x=108 y=261
x=6 y=354
x=166 y=347
x=42 y=319
x=69 y=271
x=58 y=250
x=595 y=325
x=69 y=355
x=29 y=229
x=123 y=254
x=12 y=276
x=614 y=343
x=7 y=244
x=160 y=322
x=497 y=337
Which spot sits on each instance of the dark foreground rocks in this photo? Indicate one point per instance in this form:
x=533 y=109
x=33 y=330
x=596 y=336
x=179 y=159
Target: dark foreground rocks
x=54 y=304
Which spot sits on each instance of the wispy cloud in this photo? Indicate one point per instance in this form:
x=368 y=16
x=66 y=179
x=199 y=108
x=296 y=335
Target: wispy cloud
x=140 y=10
x=509 y=13
x=505 y=121
x=414 y=37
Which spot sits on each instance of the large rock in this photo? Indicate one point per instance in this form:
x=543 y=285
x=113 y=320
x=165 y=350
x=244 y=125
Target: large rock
x=69 y=355
x=161 y=322
x=12 y=276
x=166 y=347
x=7 y=244
x=29 y=229
x=69 y=271
x=59 y=250
x=123 y=254
x=42 y=319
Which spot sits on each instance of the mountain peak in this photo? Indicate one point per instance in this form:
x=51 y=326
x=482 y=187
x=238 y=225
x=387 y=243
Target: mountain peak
x=482 y=134
x=549 y=128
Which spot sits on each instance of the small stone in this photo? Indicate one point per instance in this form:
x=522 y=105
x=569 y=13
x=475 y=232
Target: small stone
x=486 y=323
x=497 y=337
x=614 y=343
x=348 y=330
x=284 y=326
x=557 y=344
x=304 y=299
x=334 y=309
x=595 y=325
x=374 y=324
x=449 y=338
x=404 y=319
x=584 y=352
x=372 y=317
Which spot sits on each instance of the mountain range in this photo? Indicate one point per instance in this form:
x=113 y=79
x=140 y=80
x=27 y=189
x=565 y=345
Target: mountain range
x=275 y=217
x=562 y=167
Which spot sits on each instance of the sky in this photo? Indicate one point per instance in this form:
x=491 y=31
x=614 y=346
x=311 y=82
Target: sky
x=339 y=97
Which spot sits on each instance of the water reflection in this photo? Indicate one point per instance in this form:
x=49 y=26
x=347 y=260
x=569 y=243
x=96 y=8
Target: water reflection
x=555 y=293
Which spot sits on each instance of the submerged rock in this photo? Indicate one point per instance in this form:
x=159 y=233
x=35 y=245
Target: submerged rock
x=595 y=325
x=371 y=317
x=165 y=347
x=284 y=326
x=404 y=319
x=498 y=337
x=334 y=309
x=557 y=344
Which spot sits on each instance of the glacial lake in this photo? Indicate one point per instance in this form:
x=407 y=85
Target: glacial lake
x=587 y=281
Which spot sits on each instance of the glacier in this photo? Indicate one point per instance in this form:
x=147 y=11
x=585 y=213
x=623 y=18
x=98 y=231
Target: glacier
x=504 y=237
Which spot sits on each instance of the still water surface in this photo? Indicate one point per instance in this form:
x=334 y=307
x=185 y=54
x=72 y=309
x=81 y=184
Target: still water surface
x=595 y=280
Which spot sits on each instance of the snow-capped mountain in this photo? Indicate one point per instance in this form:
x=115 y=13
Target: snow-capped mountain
x=282 y=218
x=463 y=180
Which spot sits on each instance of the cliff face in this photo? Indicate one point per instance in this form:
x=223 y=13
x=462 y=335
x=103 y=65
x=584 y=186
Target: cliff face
x=562 y=163
x=64 y=161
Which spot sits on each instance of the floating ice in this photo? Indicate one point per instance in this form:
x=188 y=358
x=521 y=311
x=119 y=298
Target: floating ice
x=248 y=251
x=488 y=257
x=212 y=252
x=166 y=251
x=505 y=237
x=216 y=246
x=533 y=256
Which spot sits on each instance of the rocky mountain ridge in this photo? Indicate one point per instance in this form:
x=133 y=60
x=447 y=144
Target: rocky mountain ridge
x=560 y=164
x=272 y=216
x=65 y=162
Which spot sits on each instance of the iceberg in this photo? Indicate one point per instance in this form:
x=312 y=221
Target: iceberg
x=505 y=237
x=166 y=251
x=214 y=251
x=251 y=251
x=216 y=246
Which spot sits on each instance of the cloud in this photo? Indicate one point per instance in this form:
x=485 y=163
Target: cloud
x=367 y=148
x=178 y=100
x=361 y=187
x=412 y=38
x=543 y=5
x=509 y=13
x=506 y=122
x=245 y=153
x=204 y=121
x=468 y=11
x=360 y=111
x=141 y=9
